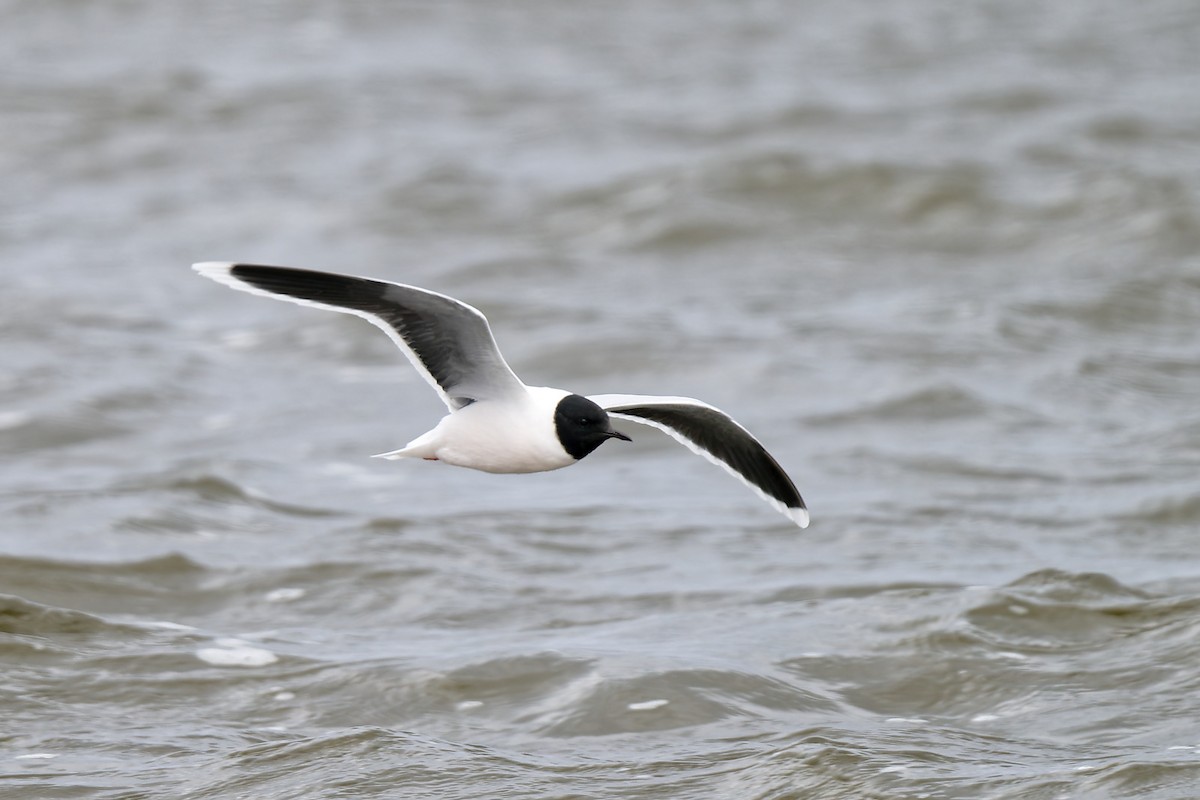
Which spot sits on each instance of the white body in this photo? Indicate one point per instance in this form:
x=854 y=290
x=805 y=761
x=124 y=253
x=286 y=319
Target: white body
x=514 y=436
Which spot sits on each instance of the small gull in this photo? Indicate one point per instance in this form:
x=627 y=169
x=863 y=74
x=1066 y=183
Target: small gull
x=497 y=423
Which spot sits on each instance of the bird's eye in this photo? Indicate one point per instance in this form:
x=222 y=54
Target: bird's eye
x=586 y=421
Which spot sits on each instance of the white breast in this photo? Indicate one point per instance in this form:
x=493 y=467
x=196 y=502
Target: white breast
x=504 y=436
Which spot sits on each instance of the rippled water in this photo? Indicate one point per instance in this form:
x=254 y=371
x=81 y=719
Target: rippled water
x=943 y=258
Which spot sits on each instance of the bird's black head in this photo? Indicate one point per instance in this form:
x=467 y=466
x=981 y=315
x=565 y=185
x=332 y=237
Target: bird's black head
x=582 y=426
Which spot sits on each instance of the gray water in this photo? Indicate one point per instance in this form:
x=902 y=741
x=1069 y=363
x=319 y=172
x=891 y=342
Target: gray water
x=943 y=258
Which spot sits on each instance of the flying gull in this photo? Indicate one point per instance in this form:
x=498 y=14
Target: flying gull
x=497 y=423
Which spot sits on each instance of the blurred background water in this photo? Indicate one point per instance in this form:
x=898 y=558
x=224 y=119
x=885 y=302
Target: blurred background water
x=943 y=258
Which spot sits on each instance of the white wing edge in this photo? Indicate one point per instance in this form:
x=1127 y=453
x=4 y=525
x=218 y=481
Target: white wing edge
x=220 y=271
x=609 y=402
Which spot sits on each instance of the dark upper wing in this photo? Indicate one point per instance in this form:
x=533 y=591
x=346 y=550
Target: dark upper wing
x=715 y=435
x=449 y=342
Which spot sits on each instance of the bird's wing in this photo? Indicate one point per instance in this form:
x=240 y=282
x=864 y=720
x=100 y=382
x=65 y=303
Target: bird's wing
x=448 y=341
x=715 y=435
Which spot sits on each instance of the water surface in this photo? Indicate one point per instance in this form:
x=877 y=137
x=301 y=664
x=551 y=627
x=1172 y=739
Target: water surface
x=942 y=259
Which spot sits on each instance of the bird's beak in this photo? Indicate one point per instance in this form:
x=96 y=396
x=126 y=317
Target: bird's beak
x=613 y=433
